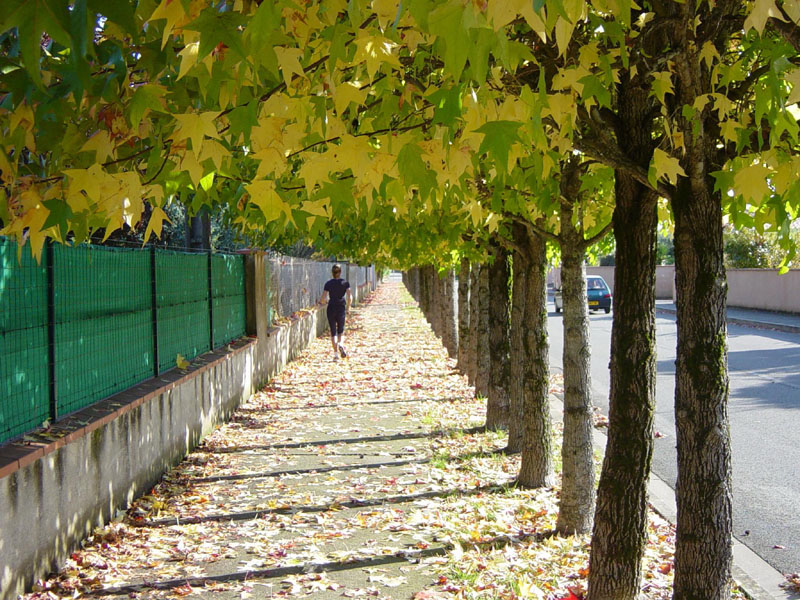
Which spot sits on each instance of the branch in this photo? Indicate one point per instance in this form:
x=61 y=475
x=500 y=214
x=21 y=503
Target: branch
x=536 y=230
x=599 y=236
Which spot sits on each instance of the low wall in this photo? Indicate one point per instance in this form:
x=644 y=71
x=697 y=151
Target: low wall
x=764 y=289
x=78 y=475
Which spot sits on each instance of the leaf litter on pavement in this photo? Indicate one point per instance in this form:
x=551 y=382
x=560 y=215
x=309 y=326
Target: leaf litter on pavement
x=368 y=477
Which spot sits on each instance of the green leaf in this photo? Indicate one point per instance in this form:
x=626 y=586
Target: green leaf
x=145 y=97
x=118 y=12
x=594 y=87
x=498 y=138
x=32 y=18
x=447 y=105
x=445 y=23
x=413 y=170
x=215 y=28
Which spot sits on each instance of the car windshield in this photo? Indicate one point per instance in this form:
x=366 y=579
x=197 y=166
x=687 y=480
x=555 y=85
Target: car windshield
x=595 y=284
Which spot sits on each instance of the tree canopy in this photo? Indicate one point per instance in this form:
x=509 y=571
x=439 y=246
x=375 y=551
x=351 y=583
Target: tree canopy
x=393 y=118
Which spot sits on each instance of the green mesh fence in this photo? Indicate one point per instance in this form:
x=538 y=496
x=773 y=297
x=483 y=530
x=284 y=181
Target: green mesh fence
x=103 y=329
x=24 y=379
x=102 y=323
x=228 y=299
x=182 y=301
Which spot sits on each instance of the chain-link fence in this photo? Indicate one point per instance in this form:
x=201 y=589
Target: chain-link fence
x=91 y=321
x=297 y=283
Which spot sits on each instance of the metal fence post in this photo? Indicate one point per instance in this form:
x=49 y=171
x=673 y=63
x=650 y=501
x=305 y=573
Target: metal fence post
x=210 y=305
x=51 y=329
x=154 y=310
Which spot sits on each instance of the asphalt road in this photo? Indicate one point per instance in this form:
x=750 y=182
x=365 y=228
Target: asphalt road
x=764 y=412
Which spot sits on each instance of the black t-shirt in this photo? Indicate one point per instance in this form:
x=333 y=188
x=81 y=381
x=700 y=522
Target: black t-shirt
x=336 y=289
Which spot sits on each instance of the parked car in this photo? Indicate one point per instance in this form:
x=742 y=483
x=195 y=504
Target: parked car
x=599 y=296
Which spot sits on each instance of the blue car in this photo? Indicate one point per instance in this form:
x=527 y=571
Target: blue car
x=598 y=294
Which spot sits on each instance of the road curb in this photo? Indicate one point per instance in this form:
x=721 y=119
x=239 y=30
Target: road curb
x=758 y=579
x=744 y=322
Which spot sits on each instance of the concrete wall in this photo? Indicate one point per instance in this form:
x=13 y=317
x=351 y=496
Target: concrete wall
x=764 y=289
x=56 y=490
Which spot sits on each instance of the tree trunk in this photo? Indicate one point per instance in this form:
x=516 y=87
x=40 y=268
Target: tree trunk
x=436 y=302
x=484 y=360
x=620 y=526
x=499 y=342
x=474 y=321
x=536 y=468
x=703 y=547
x=576 y=505
x=520 y=266
x=450 y=328
x=463 y=316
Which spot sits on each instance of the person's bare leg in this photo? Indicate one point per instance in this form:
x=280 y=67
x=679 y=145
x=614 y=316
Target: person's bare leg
x=335 y=346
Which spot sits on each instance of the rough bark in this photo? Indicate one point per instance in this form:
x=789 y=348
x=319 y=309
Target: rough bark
x=576 y=504
x=520 y=268
x=436 y=302
x=449 y=314
x=536 y=468
x=484 y=360
x=703 y=490
x=474 y=321
x=463 y=316
x=703 y=547
x=620 y=526
x=499 y=341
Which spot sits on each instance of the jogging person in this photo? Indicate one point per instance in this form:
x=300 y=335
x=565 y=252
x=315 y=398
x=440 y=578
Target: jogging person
x=339 y=297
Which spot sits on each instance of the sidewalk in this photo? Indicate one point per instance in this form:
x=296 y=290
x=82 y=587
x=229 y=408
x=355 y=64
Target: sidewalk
x=368 y=477
x=763 y=319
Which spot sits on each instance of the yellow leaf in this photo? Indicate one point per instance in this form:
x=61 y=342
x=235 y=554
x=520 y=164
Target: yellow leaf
x=7 y=170
x=289 y=62
x=345 y=94
x=101 y=144
x=263 y=194
x=192 y=166
x=273 y=163
x=215 y=151
x=793 y=78
x=195 y=126
x=155 y=224
x=318 y=208
x=188 y=58
x=386 y=10
x=728 y=129
x=181 y=362
x=172 y=11
x=752 y=182
x=375 y=51
x=84 y=185
x=759 y=15
x=792 y=8
x=667 y=166
x=501 y=12
x=560 y=106
x=564 y=31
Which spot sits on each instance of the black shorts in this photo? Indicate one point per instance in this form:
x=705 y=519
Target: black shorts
x=336 y=319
